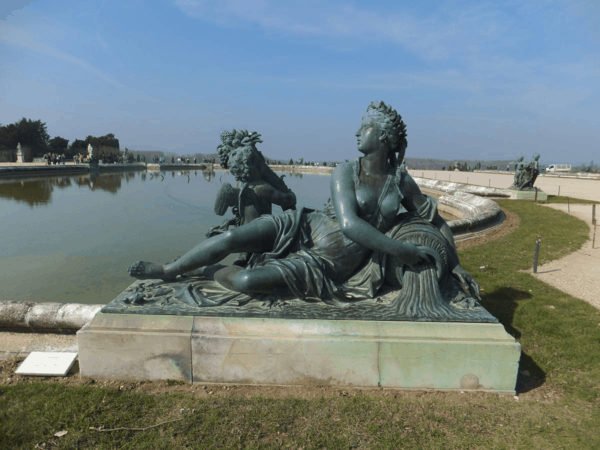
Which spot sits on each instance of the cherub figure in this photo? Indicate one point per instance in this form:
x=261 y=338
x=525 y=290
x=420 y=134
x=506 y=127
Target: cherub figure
x=259 y=187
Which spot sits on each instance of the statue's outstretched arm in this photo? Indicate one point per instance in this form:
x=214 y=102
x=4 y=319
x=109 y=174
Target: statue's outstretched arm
x=343 y=196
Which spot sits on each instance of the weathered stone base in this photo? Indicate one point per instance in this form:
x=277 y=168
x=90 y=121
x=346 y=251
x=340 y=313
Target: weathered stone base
x=528 y=195
x=415 y=355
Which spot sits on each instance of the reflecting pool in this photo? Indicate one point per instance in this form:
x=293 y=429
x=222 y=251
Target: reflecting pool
x=71 y=239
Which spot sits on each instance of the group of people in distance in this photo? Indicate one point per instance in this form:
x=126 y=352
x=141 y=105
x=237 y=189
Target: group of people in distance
x=183 y=160
x=53 y=158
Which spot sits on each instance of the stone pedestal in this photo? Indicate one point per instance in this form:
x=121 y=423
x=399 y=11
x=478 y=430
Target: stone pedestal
x=528 y=195
x=121 y=346
x=414 y=355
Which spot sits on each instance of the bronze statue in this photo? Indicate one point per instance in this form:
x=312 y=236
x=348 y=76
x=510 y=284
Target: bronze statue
x=526 y=174
x=378 y=234
x=259 y=187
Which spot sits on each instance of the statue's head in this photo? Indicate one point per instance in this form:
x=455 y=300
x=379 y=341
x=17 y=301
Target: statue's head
x=235 y=139
x=246 y=164
x=521 y=158
x=536 y=156
x=392 y=127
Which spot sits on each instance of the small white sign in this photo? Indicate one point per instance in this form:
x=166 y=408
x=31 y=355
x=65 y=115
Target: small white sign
x=47 y=364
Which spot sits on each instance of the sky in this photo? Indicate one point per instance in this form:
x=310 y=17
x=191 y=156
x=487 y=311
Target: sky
x=472 y=79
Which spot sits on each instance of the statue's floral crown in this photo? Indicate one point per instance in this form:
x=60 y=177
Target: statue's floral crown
x=240 y=138
x=231 y=140
x=392 y=115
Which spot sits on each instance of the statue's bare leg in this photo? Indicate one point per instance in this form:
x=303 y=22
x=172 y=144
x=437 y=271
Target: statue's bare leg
x=262 y=280
x=206 y=271
x=256 y=237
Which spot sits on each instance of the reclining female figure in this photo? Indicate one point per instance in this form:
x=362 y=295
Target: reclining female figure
x=348 y=251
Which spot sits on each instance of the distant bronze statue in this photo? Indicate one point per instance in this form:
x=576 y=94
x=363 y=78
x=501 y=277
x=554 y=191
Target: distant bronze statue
x=378 y=234
x=518 y=172
x=259 y=188
x=525 y=174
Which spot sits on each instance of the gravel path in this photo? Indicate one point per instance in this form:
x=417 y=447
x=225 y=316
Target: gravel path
x=588 y=189
x=577 y=274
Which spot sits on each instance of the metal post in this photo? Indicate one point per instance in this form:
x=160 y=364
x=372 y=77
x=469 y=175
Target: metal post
x=538 y=240
x=536 y=189
x=568 y=204
x=594 y=224
x=559 y=190
x=490 y=182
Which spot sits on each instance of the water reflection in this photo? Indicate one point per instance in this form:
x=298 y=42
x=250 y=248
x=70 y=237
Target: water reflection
x=32 y=193
x=37 y=192
x=89 y=235
x=109 y=183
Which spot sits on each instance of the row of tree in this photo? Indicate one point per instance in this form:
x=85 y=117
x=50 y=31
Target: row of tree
x=587 y=169
x=32 y=135
x=35 y=141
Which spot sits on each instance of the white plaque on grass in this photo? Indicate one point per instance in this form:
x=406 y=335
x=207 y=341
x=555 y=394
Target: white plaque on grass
x=49 y=364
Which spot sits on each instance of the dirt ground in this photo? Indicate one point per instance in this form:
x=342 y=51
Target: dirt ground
x=529 y=389
x=577 y=274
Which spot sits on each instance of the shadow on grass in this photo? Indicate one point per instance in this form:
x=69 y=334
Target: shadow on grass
x=530 y=376
x=502 y=303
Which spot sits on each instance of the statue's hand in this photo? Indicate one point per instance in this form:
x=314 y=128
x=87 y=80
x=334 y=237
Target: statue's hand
x=467 y=281
x=411 y=255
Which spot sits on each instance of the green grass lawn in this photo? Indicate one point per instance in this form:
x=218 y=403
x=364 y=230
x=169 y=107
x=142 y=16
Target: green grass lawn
x=559 y=387
x=562 y=199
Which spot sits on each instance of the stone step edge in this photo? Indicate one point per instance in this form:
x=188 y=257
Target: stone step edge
x=45 y=316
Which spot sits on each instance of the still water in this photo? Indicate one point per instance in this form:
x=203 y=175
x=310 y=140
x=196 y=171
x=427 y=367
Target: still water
x=71 y=239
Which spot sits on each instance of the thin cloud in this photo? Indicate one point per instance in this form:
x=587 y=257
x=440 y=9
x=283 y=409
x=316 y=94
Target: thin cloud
x=471 y=46
x=102 y=42
x=14 y=36
x=391 y=82
x=7 y=7
x=442 y=35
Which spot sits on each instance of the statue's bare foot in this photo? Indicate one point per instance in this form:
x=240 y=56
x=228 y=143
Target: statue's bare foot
x=148 y=271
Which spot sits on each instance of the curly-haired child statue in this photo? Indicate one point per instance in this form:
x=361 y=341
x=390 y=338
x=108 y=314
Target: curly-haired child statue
x=259 y=187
